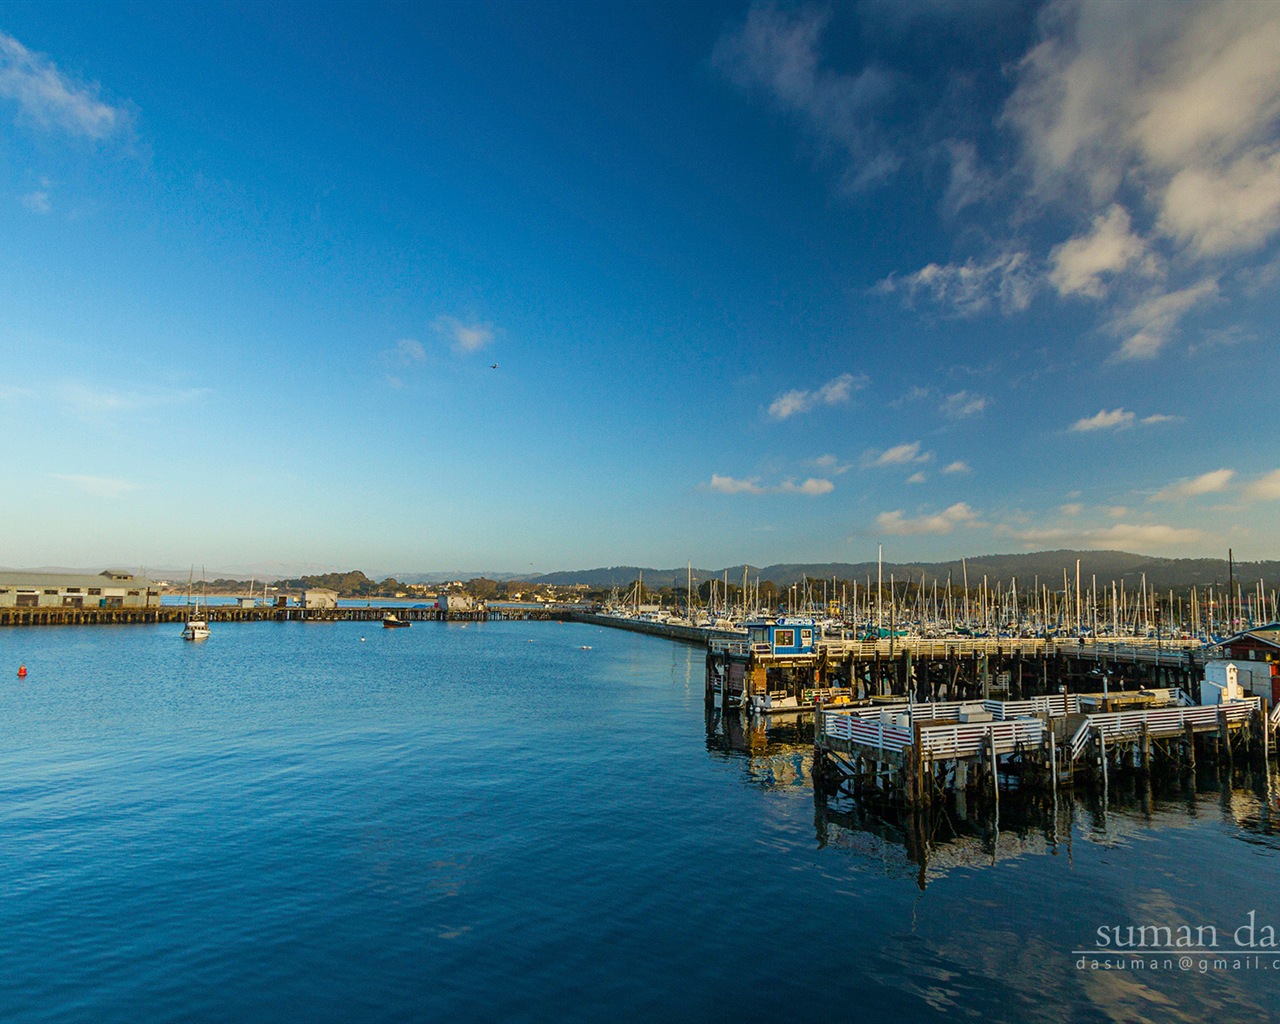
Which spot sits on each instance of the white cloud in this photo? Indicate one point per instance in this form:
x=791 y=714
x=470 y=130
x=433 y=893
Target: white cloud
x=51 y=100
x=1078 y=265
x=1104 y=420
x=1265 y=488
x=831 y=464
x=1206 y=483
x=959 y=466
x=969 y=181
x=776 y=53
x=1159 y=417
x=1137 y=93
x=1160 y=121
x=1072 y=509
x=1007 y=281
x=1233 y=208
x=833 y=392
x=97 y=486
x=1148 y=324
x=898 y=455
x=964 y=403
x=464 y=337
x=1180 y=100
x=732 y=485
x=917 y=478
x=812 y=486
x=897 y=525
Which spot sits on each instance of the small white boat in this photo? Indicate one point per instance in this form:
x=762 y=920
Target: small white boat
x=197 y=626
x=392 y=621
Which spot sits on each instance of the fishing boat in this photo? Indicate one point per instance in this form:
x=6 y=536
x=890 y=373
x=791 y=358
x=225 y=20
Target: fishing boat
x=196 y=626
x=393 y=621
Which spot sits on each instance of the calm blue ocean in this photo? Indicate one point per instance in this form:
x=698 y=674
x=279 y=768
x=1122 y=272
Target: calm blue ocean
x=335 y=822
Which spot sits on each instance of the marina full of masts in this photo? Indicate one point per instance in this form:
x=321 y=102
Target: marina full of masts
x=1076 y=605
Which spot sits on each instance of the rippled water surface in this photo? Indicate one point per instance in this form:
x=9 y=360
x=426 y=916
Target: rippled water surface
x=528 y=822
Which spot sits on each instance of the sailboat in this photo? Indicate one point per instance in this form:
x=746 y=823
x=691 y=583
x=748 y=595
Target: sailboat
x=197 y=626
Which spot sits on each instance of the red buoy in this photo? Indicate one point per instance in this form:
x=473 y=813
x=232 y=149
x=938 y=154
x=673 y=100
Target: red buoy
x=22 y=671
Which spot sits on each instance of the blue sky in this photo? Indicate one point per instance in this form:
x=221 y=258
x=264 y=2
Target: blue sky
x=762 y=282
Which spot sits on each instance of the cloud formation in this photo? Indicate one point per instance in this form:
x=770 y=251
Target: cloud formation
x=897 y=525
x=732 y=485
x=1077 y=265
x=464 y=337
x=963 y=404
x=50 y=100
x=1006 y=282
x=1265 y=488
x=833 y=392
x=813 y=486
x=1104 y=420
x=1149 y=322
x=898 y=455
x=831 y=464
x=1207 y=483
x=1145 y=137
x=776 y=53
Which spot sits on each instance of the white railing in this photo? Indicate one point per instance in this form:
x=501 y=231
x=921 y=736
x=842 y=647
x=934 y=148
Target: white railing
x=1080 y=740
x=718 y=645
x=940 y=742
x=1274 y=717
x=1056 y=705
x=1160 y=722
x=874 y=733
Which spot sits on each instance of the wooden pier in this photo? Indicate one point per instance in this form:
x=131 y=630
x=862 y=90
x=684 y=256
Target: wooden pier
x=919 y=751
x=268 y=613
x=923 y=670
x=942 y=718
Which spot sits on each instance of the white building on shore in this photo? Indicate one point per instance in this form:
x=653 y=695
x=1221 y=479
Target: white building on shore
x=112 y=588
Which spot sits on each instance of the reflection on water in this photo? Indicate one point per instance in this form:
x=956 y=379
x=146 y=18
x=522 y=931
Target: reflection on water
x=529 y=821
x=983 y=913
x=776 y=754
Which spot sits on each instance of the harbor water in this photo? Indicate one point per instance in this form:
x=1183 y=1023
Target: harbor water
x=529 y=821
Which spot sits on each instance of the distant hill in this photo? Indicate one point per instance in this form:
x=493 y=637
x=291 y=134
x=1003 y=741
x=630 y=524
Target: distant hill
x=1106 y=566
x=1161 y=573
x=446 y=576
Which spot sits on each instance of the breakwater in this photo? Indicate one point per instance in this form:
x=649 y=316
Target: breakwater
x=672 y=631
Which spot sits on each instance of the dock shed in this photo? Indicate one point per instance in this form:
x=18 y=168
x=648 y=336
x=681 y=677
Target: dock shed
x=785 y=636
x=319 y=598
x=112 y=588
